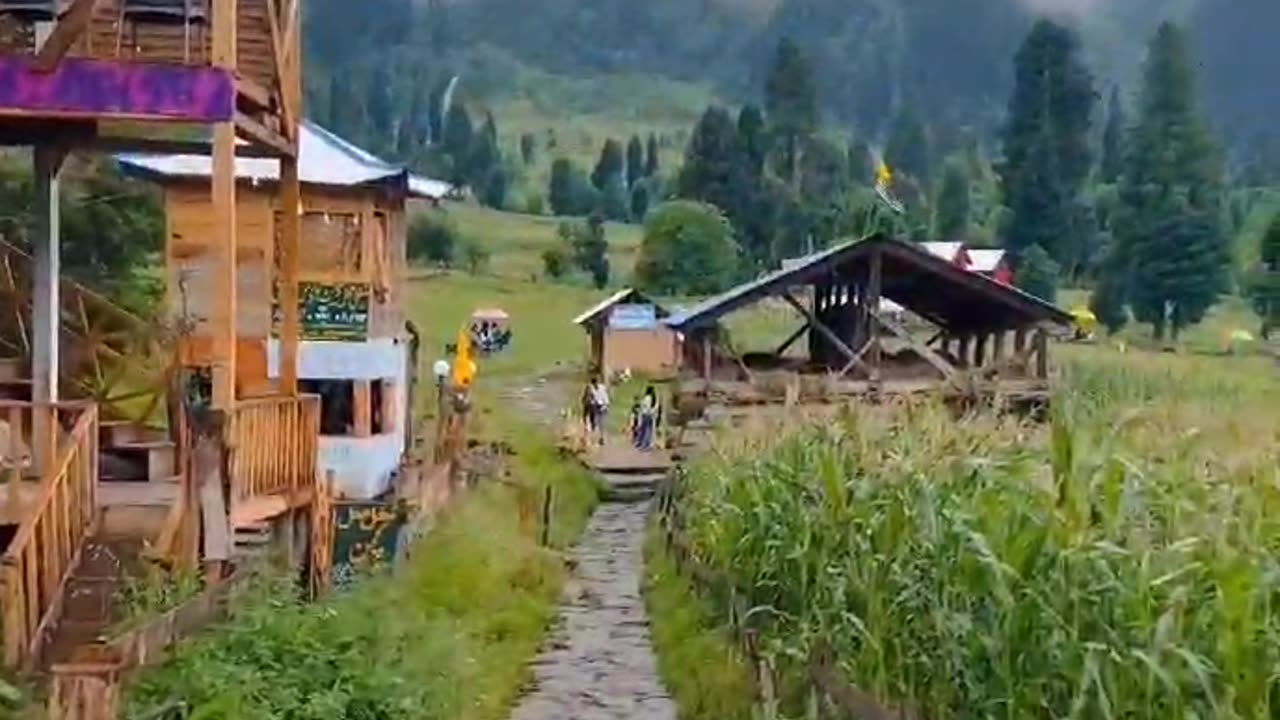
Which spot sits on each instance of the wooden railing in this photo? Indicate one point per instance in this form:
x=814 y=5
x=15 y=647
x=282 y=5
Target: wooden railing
x=124 y=363
x=274 y=446
x=46 y=548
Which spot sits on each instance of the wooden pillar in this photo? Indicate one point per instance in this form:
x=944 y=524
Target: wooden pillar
x=963 y=353
x=997 y=346
x=873 y=308
x=980 y=350
x=224 y=213
x=362 y=410
x=45 y=306
x=706 y=355
x=290 y=210
x=1042 y=354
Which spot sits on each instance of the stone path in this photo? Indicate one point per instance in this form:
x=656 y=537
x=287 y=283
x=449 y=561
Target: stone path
x=599 y=663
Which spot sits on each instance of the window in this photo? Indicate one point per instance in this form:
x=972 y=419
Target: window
x=337 y=405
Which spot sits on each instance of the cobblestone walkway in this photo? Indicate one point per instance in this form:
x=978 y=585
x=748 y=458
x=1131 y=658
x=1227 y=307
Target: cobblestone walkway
x=599 y=663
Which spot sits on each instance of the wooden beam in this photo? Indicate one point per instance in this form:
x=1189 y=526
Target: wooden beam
x=70 y=27
x=826 y=332
x=1042 y=353
x=874 y=277
x=46 y=306
x=224 y=33
x=255 y=131
x=281 y=62
x=362 y=408
x=253 y=91
x=224 y=301
x=791 y=340
x=290 y=210
x=931 y=357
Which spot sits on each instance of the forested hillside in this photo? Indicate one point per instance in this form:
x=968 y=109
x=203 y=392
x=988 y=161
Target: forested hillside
x=948 y=59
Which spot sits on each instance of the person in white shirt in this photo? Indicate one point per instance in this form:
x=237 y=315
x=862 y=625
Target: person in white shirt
x=598 y=396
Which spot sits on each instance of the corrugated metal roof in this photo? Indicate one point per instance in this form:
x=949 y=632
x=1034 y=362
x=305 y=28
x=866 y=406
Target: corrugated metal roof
x=323 y=159
x=618 y=297
x=921 y=258
x=948 y=251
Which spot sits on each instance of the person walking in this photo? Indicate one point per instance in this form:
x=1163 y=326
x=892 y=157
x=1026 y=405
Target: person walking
x=648 y=418
x=599 y=407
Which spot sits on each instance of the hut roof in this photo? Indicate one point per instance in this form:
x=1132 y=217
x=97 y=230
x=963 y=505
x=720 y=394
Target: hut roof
x=985 y=260
x=624 y=295
x=323 y=159
x=915 y=278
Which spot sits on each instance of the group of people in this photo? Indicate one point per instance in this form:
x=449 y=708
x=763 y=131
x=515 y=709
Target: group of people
x=642 y=424
x=490 y=337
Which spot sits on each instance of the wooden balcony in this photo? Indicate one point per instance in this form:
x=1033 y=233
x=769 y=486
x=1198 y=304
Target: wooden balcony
x=236 y=62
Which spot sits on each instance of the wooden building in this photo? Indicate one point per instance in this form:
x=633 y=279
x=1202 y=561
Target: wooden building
x=626 y=332
x=966 y=335
x=216 y=78
x=354 y=348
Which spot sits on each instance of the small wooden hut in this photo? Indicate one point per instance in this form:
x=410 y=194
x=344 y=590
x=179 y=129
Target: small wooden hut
x=354 y=348
x=626 y=332
x=959 y=333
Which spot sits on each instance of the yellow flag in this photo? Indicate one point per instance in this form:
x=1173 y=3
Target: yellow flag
x=464 y=367
x=884 y=176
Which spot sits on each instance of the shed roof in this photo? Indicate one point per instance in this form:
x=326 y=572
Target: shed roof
x=323 y=159
x=985 y=260
x=912 y=276
x=622 y=296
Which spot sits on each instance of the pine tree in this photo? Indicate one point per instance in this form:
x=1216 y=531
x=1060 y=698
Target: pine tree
x=791 y=101
x=1113 y=140
x=615 y=201
x=1108 y=301
x=952 y=211
x=611 y=163
x=1170 y=218
x=528 y=148
x=651 y=157
x=639 y=201
x=560 y=192
x=1038 y=274
x=1046 y=144
x=752 y=214
x=1264 y=288
x=635 y=161
x=484 y=164
x=710 y=161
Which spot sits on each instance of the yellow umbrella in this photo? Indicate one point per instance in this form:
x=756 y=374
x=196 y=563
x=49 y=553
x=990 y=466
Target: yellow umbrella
x=464 y=368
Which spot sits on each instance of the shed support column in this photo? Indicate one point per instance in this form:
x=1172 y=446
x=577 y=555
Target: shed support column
x=1042 y=354
x=873 y=307
x=291 y=201
x=45 y=307
x=224 y=248
x=224 y=213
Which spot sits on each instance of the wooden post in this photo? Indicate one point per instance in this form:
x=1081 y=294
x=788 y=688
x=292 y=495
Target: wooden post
x=1042 y=354
x=706 y=356
x=362 y=408
x=291 y=207
x=980 y=350
x=224 y=213
x=873 y=307
x=45 y=307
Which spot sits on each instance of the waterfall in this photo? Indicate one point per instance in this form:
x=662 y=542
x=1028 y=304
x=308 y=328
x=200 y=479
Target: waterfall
x=446 y=100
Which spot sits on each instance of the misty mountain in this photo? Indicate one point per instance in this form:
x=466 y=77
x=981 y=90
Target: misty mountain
x=948 y=60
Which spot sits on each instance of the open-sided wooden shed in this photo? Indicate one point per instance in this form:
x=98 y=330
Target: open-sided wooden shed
x=353 y=344
x=963 y=333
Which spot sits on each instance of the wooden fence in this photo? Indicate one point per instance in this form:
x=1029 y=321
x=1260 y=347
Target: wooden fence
x=274 y=448
x=820 y=672
x=46 y=548
x=89 y=687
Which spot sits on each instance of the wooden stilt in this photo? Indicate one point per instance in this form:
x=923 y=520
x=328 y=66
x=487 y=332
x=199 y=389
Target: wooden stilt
x=291 y=206
x=224 y=213
x=873 y=309
x=46 y=307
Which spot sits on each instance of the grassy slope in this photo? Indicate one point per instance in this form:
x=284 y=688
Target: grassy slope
x=517 y=241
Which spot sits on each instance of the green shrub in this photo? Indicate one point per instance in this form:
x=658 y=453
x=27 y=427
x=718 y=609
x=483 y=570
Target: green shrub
x=433 y=238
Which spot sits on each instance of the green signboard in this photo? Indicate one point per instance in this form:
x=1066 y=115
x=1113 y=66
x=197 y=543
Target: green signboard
x=334 y=312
